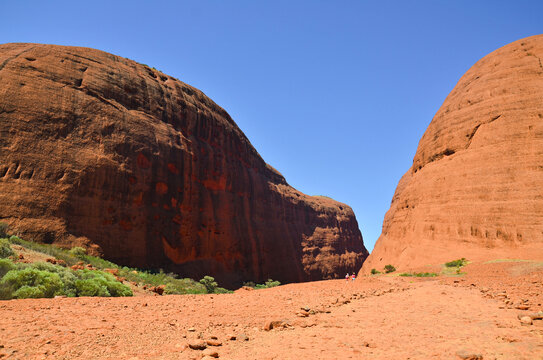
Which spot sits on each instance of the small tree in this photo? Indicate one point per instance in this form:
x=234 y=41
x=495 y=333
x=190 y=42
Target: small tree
x=209 y=283
x=389 y=268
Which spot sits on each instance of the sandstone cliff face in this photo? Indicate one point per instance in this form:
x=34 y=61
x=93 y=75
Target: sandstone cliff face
x=475 y=189
x=100 y=151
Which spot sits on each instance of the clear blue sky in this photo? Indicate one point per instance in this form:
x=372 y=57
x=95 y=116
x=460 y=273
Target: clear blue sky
x=333 y=94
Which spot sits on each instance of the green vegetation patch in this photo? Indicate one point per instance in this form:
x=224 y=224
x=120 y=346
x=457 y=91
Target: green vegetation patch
x=389 y=269
x=211 y=286
x=97 y=281
x=99 y=285
x=76 y=255
x=268 y=284
x=456 y=263
x=5 y=249
x=421 y=274
x=45 y=280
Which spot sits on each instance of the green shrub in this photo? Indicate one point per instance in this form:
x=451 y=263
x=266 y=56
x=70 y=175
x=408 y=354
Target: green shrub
x=171 y=289
x=77 y=251
x=250 y=284
x=209 y=283
x=5 y=249
x=389 y=268
x=268 y=284
x=98 y=283
x=92 y=287
x=375 y=271
x=456 y=263
x=47 y=280
x=183 y=286
x=66 y=275
x=30 y=282
x=5 y=266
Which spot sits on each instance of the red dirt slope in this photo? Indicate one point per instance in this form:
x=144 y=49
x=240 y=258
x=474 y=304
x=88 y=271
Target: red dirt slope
x=372 y=318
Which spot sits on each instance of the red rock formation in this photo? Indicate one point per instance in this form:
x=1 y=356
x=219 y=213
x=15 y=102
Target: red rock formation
x=100 y=151
x=475 y=189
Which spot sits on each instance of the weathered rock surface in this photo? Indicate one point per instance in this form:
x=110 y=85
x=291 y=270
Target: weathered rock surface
x=104 y=152
x=475 y=189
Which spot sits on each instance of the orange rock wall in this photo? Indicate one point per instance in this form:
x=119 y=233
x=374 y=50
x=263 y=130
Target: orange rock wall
x=100 y=151
x=475 y=189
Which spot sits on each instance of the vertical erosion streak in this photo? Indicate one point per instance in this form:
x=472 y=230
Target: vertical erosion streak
x=251 y=234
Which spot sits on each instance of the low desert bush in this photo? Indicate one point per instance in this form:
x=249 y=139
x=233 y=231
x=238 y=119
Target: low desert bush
x=98 y=283
x=77 y=251
x=209 y=283
x=66 y=275
x=250 y=284
x=268 y=284
x=5 y=266
x=41 y=279
x=30 y=283
x=389 y=268
x=375 y=271
x=5 y=249
x=456 y=263
x=212 y=287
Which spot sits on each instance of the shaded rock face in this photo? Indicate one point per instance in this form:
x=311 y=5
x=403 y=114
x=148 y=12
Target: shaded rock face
x=100 y=151
x=475 y=189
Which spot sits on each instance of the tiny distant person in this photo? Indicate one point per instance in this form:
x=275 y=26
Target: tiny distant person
x=347 y=277
x=353 y=277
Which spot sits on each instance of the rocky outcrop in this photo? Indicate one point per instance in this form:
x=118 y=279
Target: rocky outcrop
x=101 y=151
x=475 y=189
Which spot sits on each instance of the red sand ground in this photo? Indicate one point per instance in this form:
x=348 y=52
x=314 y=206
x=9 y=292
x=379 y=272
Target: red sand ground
x=384 y=317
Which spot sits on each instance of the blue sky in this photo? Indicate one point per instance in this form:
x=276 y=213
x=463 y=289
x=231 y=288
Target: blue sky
x=333 y=94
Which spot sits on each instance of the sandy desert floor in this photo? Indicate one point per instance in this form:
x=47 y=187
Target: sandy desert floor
x=381 y=317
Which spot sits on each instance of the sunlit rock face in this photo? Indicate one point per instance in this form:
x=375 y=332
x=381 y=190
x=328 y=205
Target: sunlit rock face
x=475 y=189
x=101 y=151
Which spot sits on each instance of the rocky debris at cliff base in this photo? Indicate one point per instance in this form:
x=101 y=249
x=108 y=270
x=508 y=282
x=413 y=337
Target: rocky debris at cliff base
x=214 y=342
x=197 y=344
x=211 y=353
x=468 y=355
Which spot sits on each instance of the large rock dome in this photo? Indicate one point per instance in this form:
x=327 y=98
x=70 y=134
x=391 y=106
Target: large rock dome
x=101 y=151
x=475 y=189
